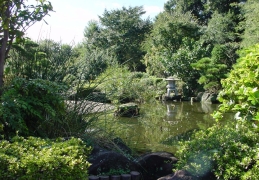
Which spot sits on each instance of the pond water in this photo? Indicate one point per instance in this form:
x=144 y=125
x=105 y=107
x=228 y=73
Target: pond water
x=162 y=124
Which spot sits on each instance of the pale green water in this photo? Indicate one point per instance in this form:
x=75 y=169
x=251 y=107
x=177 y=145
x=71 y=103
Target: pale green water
x=161 y=125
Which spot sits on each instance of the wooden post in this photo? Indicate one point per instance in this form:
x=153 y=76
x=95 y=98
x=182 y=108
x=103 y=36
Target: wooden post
x=93 y=178
x=135 y=175
x=126 y=177
x=115 y=177
x=104 y=177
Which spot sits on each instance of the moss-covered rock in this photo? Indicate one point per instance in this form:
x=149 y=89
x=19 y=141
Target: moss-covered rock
x=127 y=110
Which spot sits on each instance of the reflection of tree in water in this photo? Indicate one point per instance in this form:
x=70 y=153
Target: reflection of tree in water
x=153 y=126
x=169 y=122
x=193 y=116
x=161 y=125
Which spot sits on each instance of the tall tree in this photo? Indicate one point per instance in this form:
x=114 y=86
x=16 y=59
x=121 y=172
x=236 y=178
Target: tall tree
x=196 y=7
x=221 y=38
x=15 y=18
x=203 y=9
x=121 y=32
x=251 y=23
x=222 y=30
x=92 y=33
x=173 y=45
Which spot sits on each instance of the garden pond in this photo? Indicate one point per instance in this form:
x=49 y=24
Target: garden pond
x=161 y=125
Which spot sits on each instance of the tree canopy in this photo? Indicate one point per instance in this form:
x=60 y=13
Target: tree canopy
x=15 y=18
x=120 y=32
x=250 y=23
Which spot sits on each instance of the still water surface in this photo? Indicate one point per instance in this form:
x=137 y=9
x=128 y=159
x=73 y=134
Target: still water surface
x=162 y=124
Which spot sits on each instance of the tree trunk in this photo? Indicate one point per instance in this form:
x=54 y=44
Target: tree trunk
x=3 y=47
x=2 y=58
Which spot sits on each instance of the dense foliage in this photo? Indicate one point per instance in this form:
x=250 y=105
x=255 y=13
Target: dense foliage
x=230 y=151
x=212 y=70
x=172 y=47
x=40 y=78
x=29 y=104
x=35 y=158
x=121 y=33
x=250 y=24
x=241 y=93
x=46 y=60
x=120 y=85
x=47 y=84
x=197 y=40
x=15 y=18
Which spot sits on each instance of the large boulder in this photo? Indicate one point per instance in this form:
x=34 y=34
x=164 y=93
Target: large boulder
x=115 y=156
x=155 y=165
x=105 y=161
x=209 y=98
x=119 y=157
x=206 y=97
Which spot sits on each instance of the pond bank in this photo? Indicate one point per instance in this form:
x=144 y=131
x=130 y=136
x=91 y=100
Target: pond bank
x=86 y=107
x=151 y=166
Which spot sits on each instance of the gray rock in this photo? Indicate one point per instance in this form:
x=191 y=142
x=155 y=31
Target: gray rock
x=205 y=97
x=209 y=98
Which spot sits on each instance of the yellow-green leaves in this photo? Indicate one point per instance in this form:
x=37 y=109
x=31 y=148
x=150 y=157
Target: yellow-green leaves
x=241 y=86
x=36 y=158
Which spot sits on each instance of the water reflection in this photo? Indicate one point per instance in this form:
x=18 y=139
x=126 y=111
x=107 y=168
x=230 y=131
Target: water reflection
x=162 y=125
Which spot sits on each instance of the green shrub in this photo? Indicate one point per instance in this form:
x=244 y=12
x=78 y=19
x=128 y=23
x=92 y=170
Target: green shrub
x=230 y=152
x=27 y=104
x=36 y=158
x=123 y=86
x=240 y=90
x=45 y=59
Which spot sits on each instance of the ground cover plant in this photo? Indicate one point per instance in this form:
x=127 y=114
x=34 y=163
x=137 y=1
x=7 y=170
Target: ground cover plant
x=36 y=158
